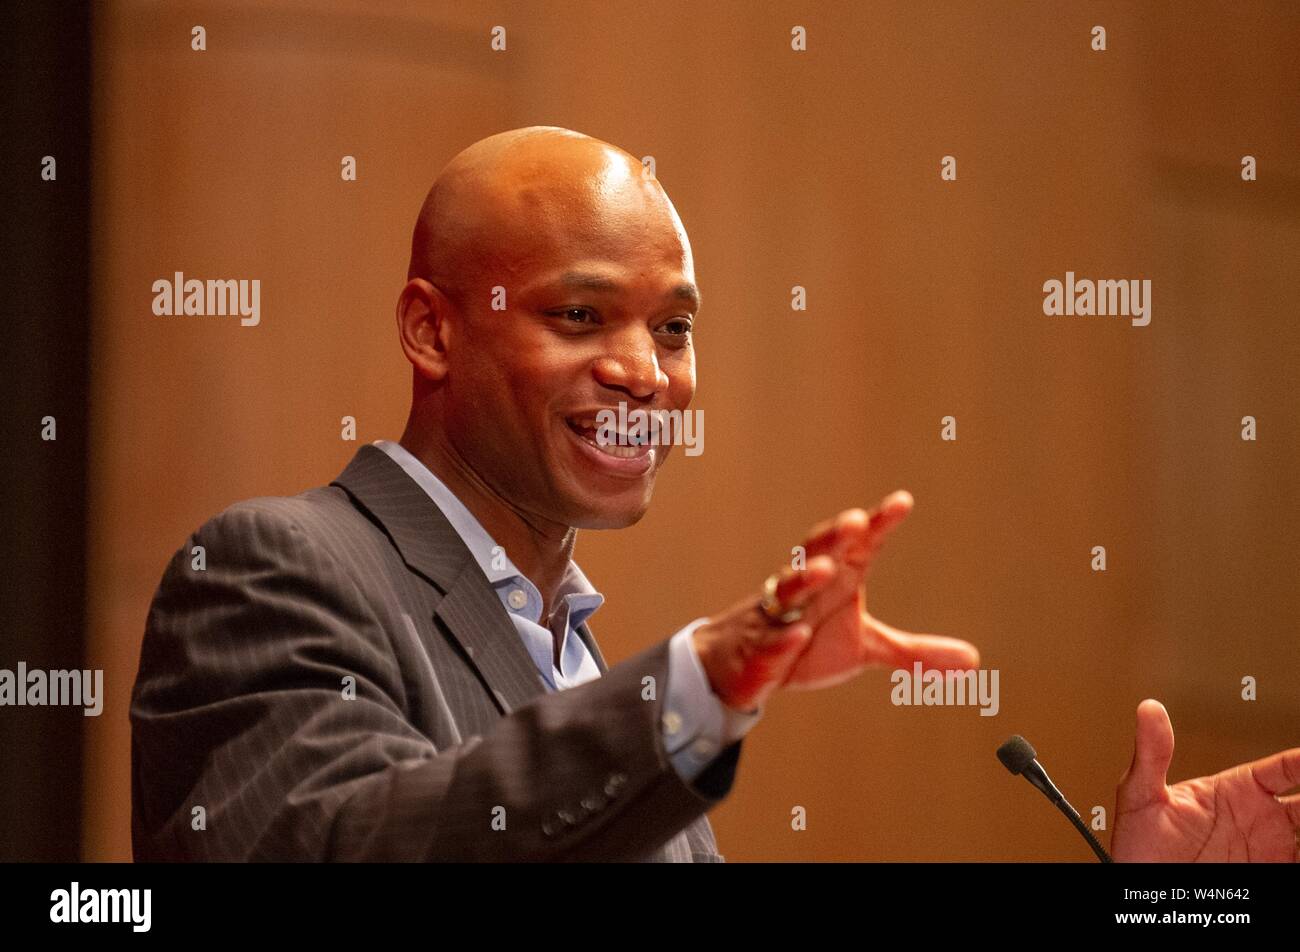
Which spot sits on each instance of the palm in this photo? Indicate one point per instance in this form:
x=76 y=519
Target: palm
x=1226 y=818
x=1233 y=816
x=843 y=646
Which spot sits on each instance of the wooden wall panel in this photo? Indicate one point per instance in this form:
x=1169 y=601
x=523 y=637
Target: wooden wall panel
x=818 y=169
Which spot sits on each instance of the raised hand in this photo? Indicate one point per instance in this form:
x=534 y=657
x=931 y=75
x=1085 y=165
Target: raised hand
x=747 y=655
x=1235 y=816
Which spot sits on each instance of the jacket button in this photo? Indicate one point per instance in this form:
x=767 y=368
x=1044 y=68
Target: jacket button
x=567 y=818
x=593 y=804
x=672 y=722
x=547 y=829
x=703 y=747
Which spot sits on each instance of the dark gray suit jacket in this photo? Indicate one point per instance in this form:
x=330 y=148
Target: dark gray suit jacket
x=240 y=705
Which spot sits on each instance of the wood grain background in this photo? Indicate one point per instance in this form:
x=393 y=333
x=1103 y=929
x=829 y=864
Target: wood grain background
x=819 y=169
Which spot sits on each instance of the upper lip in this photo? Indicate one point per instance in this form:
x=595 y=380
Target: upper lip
x=592 y=413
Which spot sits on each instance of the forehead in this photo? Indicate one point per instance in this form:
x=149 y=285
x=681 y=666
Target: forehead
x=598 y=212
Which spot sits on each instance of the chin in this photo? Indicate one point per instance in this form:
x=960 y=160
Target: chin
x=601 y=515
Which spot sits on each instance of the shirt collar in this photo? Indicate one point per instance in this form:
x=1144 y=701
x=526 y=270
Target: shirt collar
x=576 y=594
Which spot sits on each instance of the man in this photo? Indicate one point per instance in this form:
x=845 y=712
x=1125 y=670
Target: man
x=398 y=666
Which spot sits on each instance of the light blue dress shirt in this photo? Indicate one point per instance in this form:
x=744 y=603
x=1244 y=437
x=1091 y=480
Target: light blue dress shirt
x=696 y=725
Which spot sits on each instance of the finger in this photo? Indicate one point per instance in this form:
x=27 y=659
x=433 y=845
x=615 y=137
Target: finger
x=904 y=648
x=1153 y=751
x=1279 y=773
x=830 y=536
x=796 y=587
x=1292 y=807
x=856 y=533
x=781 y=660
x=892 y=510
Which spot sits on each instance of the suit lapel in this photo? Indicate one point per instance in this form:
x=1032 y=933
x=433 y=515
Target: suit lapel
x=469 y=608
x=589 y=640
x=431 y=547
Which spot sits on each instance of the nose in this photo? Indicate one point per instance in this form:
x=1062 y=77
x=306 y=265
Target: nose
x=632 y=366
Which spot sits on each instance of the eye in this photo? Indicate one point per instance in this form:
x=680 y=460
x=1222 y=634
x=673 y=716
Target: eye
x=576 y=315
x=679 y=327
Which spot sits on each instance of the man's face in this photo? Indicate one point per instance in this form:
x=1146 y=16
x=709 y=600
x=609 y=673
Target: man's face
x=600 y=305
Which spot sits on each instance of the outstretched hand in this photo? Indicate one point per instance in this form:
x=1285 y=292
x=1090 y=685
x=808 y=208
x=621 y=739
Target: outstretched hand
x=747 y=655
x=1238 y=815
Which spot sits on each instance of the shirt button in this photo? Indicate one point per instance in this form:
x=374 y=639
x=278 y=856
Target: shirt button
x=672 y=722
x=517 y=598
x=702 y=747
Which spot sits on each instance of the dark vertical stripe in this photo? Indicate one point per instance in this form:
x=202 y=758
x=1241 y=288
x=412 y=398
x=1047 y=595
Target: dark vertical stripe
x=43 y=369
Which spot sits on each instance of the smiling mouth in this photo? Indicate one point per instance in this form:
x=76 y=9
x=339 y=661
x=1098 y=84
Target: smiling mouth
x=623 y=446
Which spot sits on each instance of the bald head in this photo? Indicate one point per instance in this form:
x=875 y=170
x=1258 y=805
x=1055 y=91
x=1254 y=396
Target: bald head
x=598 y=308
x=504 y=201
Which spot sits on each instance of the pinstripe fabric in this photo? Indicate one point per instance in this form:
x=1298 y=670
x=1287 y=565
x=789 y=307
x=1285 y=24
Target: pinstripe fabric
x=338 y=681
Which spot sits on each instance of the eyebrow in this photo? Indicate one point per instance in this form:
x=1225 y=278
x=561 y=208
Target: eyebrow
x=586 y=281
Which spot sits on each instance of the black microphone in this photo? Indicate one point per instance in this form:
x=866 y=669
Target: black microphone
x=1018 y=756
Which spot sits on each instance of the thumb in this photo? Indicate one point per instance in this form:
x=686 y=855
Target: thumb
x=1153 y=751
x=902 y=648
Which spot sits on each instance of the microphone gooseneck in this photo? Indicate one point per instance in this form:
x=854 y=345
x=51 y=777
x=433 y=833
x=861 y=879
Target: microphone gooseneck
x=1019 y=757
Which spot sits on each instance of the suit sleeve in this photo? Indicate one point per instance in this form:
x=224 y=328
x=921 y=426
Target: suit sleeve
x=268 y=724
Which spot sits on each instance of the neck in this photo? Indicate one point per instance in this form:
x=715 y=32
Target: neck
x=540 y=550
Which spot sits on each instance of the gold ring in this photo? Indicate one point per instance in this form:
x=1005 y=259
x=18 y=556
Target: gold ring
x=772 y=608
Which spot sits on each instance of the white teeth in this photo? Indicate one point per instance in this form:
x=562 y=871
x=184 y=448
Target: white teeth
x=623 y=446
x=622 y=452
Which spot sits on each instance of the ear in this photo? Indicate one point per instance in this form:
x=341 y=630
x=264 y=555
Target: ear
x=423 y=328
